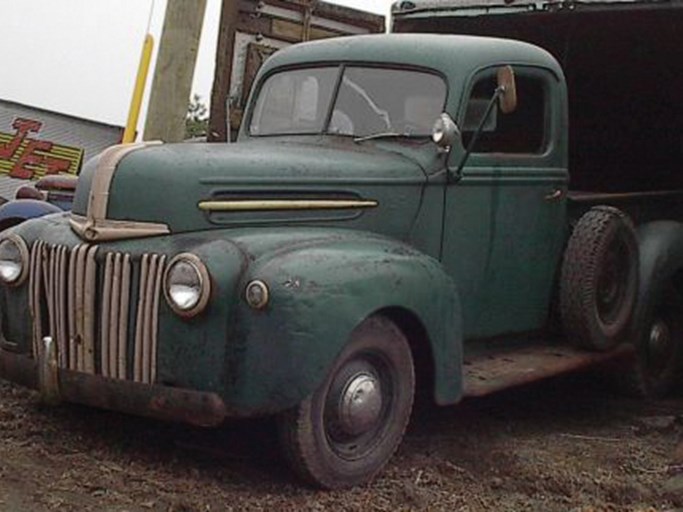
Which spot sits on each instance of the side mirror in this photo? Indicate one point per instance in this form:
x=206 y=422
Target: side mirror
x=445 y=132
x=508 y=90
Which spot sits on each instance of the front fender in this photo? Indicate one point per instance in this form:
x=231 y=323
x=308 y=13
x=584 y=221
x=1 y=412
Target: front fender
x=661 y=257
x=319 y=292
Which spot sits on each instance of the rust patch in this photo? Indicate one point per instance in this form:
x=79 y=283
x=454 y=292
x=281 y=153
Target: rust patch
x=155 y=401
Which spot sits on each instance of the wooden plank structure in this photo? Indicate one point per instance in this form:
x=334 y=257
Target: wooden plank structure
x=253 y=30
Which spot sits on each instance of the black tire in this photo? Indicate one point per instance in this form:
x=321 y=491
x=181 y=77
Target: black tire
x=599 y=279
x=332 y=444
x=656 y=368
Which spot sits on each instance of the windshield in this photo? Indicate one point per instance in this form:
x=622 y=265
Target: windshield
x=368 y=101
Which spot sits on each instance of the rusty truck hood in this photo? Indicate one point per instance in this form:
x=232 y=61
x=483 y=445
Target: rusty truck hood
x=133 y=191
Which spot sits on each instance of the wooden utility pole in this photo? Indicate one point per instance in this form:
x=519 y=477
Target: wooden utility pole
x=174 y=70
x=225 y=49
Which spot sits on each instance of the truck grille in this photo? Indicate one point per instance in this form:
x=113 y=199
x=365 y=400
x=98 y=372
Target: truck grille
x=101 y=312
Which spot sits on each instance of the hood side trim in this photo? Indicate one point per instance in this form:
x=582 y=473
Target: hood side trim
x=247 y=205
x=105 y=230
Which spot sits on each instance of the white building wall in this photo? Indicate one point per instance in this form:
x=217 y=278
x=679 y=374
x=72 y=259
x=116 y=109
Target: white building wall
x=34 y=142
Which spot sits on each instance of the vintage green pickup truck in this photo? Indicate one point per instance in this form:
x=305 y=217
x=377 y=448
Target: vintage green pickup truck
x=393 y=218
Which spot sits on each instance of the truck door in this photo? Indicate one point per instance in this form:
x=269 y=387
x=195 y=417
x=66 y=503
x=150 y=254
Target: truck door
x=505 y=218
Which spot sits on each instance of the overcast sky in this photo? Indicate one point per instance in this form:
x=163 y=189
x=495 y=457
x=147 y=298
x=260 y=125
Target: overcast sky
x=80 y=57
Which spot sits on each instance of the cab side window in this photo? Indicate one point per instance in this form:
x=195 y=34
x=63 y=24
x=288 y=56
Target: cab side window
x=524 y=131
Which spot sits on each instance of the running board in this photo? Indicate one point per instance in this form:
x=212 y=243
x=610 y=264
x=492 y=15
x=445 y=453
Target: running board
x=490 y=372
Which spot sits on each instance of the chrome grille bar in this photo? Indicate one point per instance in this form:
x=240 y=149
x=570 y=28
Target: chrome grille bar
x=77 y=282
x=107 y=307
x=114 y=315
x=155 y=317
x=89 y=292
x=124 y=304
x=62 y=306
x=34 y=295
x=151 y=272
x=144 y=274
x=92 y=337
x=70 y=353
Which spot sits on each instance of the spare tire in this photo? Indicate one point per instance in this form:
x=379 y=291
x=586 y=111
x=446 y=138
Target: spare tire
x=599 y=279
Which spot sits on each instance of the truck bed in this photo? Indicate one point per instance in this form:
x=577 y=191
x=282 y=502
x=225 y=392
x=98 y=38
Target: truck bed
x=641 y=206
x=623 y=72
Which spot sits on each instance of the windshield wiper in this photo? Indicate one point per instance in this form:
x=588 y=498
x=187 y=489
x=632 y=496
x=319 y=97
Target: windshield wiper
x=392 y=135
x=380 y=135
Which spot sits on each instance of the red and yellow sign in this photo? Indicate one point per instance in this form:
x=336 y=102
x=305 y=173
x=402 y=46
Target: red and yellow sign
x=24 y=157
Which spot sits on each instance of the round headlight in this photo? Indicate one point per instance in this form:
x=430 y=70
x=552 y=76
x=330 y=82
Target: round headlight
x=13 y=260
x=445 y=132
x=187 y=285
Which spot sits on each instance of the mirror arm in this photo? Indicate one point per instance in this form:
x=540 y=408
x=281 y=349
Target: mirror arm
x=457 y=174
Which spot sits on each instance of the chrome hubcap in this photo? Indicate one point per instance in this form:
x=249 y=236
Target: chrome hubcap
x=360 y=406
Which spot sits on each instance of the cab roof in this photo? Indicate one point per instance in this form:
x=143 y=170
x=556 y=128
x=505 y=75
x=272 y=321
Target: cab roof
x=454 y=56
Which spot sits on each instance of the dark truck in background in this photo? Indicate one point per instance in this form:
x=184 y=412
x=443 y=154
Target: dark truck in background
x=624 y=77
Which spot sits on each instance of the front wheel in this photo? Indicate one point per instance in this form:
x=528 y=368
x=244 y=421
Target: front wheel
x=348 y=429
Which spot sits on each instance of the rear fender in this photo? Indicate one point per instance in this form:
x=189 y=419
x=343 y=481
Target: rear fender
x=318 y=294
x=661 y=257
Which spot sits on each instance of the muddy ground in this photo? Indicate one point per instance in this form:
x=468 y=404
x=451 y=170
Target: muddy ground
x=564 y=444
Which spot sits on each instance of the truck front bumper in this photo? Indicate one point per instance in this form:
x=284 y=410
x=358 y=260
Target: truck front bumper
x=151 y=400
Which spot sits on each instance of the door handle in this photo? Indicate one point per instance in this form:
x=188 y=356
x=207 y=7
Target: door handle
x=554 y=195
